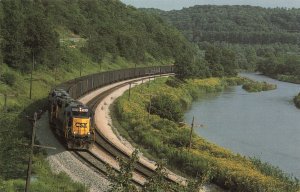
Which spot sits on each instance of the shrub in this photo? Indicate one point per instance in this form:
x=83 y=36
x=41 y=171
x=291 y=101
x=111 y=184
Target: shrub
x=174 y=82
x=255 y=86
x=8 y=78
x=166 y=107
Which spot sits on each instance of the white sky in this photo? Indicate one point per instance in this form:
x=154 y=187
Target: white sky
x=179 y=4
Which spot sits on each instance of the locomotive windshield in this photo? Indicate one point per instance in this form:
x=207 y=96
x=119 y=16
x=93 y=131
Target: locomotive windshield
x=80 y=112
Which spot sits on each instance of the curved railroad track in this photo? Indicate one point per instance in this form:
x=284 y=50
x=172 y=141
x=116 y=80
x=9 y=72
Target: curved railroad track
x=107 y=148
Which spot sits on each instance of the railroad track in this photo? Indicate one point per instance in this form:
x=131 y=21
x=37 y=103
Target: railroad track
x=106 y=146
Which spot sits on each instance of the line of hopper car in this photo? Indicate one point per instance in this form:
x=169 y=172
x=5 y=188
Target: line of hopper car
x=73 y=121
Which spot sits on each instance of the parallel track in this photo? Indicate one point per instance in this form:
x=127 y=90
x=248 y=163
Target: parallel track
x=102 y=143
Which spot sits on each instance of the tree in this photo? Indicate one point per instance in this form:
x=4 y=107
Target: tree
x=13 y=153
x=121 y=181
x=14 y=51
x=41 y=39
x=157 y=182
x=228 y=62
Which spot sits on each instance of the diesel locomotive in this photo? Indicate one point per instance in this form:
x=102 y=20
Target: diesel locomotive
x=71 y=120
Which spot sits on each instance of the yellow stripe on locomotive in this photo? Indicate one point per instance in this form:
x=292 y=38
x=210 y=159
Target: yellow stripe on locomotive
x=81 y=126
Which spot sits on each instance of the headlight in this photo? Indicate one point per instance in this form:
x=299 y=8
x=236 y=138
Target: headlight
x=74 y=132
x=89 y=133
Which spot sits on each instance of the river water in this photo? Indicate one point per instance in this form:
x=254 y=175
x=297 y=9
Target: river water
x=265 y=125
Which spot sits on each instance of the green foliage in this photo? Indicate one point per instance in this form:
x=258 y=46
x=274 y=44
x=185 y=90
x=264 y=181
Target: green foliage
x=273 y=171
x=43 y=180
x=166 y=107
x=157 y=182
x=250 y=33
x=41 y=39
x=282 y=68
x=165 y=139
x=196 y=184
x=221 y=61
x=109 y=29
x=27 y=32
x=121 y=181
x=114 y=28
x=13 y=153
x=12 y=32
x=174 y=82
x=254 y=86
x=236 y=24
x=8 y=78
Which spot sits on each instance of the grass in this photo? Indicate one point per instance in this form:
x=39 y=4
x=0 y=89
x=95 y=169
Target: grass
x=43 y=180
x=166 y=139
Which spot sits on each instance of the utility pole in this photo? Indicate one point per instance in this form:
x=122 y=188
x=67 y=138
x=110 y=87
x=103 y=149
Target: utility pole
x=32 y=68
x=55 y=71
x=193 y=125
x=149 y=111
x=135 y=70
x=129 y=91
x=191 y=134
x=31 y=152
x=149 y=78
x=80 y=71
x=5 y=103
x=150 y=104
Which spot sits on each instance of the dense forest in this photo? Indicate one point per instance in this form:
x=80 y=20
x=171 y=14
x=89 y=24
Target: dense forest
x=261 y=39
x=31 y=29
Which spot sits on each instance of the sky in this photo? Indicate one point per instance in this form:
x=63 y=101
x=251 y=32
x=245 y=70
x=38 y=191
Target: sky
x=179 y=4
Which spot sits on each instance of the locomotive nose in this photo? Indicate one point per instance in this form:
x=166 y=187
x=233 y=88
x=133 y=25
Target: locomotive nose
x=81 y=126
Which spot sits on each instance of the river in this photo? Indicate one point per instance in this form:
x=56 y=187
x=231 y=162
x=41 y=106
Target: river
x=265 y=125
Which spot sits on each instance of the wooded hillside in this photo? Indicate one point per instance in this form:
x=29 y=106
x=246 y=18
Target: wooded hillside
x=35 y=28
x=262 y=39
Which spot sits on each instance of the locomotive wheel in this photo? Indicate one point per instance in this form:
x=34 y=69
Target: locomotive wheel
x=70 y=145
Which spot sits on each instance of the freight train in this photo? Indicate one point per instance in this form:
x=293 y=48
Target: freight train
x=72 y=120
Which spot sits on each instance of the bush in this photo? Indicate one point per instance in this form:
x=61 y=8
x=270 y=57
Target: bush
x=255 y=86
x=166 y=107
x=174 y=82
x=8 y=78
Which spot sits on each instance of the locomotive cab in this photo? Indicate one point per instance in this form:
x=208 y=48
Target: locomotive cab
x=79 y=132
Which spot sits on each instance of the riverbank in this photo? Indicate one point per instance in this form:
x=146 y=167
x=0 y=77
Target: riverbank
x=164 y=138
x=288 y=78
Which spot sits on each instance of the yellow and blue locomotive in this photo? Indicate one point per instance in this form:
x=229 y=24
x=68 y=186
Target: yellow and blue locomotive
x=71 y=120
